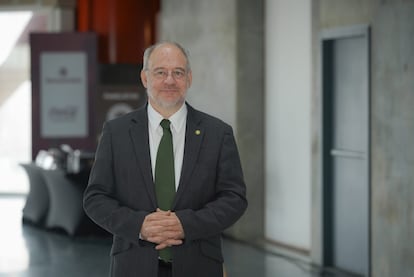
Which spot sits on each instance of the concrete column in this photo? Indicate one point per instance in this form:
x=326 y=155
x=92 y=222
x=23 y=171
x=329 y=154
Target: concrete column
x=225 y=39
x=250 y=113
x=392 y=139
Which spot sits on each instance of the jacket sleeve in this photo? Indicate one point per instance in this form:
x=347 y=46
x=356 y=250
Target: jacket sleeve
x=100 y=201
x=229 y=201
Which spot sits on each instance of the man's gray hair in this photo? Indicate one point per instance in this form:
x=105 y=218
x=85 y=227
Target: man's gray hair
x=150 y=49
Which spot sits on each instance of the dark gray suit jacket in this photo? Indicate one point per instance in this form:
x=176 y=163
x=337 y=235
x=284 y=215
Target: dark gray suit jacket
x=211 y=195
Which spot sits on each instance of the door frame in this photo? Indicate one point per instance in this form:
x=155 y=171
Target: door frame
x=328 y=36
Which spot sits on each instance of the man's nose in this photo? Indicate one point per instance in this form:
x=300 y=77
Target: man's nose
x=170 y=78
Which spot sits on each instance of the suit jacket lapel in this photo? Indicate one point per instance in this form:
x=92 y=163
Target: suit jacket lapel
x=193 y=137
x=139 y=136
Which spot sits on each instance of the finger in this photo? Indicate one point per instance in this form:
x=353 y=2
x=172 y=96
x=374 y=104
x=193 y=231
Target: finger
x=156 y=216
x=164 y=236
x=161 y=246
x=160 y=219
x=166 y=223
x=157 y=239
x=158 y=210
x=173 y=242
x=168 y=243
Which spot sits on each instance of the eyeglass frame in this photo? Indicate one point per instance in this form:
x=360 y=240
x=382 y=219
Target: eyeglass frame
x=162 y=73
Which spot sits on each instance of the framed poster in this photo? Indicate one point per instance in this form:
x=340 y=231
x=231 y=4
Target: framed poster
x=63 y=90
x=63 y=95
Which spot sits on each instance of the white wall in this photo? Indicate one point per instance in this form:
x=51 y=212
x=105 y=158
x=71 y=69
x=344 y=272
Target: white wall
x=288 y=133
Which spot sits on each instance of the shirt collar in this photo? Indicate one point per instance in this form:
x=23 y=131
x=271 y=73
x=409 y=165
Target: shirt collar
x=178 y=119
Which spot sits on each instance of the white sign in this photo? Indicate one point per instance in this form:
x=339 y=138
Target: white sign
x=63 y=94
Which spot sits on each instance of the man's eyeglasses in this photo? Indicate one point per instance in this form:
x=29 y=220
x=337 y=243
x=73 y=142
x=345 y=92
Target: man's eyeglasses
x=162 y=74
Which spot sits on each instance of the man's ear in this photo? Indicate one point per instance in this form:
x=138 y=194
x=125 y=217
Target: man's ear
x=189 y=79
x=144 y=78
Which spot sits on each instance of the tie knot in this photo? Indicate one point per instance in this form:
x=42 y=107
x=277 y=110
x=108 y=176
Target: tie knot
x=165 y=124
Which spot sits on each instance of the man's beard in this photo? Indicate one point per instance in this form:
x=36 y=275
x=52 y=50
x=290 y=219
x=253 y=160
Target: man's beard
x=166 y=104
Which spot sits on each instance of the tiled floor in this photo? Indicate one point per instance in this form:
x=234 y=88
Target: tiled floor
x=31 y=252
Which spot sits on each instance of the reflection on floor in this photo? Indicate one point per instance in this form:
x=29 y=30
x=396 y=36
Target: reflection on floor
x=32 y=252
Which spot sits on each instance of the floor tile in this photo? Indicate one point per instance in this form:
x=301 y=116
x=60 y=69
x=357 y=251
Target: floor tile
x=33 y=252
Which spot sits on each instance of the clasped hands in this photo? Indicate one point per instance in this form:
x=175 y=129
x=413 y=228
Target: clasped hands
x=162 y=228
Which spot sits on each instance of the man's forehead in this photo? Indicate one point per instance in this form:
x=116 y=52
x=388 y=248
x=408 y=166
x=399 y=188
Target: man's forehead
x=167 y=54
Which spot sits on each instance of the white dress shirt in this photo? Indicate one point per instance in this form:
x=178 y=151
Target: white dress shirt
x=178 y=126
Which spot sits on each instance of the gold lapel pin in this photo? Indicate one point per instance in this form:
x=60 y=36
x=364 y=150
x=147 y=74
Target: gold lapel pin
x=197 y=132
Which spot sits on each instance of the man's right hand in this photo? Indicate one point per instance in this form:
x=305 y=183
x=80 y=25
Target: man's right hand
x=162 y=228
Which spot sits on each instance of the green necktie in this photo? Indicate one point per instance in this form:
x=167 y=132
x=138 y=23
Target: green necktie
x=165 y=176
